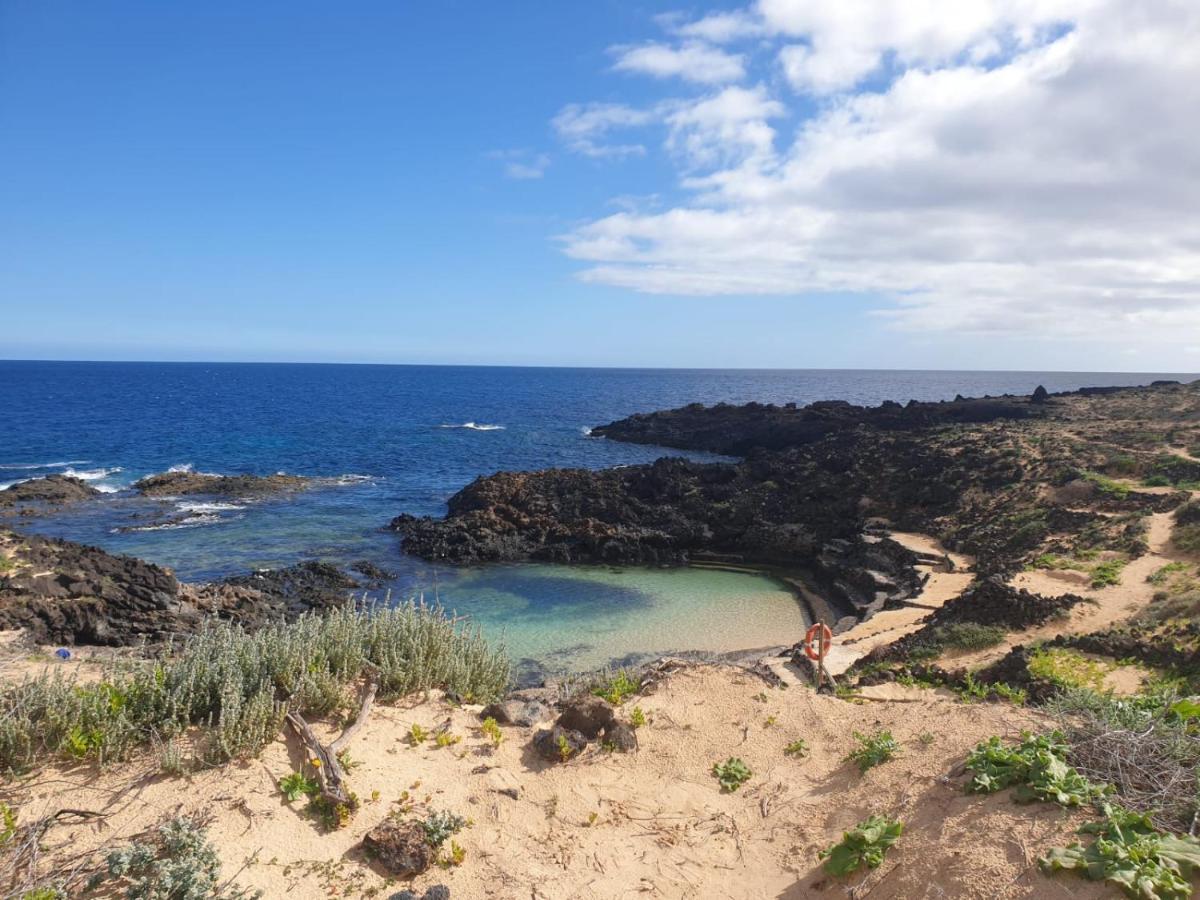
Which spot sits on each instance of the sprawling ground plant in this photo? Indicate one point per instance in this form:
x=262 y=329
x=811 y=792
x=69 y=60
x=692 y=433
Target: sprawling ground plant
x=874 y=749
x=1037 y=768
x=731 y=774
x=237 y=686
x=1130 y=852
x=865 y=844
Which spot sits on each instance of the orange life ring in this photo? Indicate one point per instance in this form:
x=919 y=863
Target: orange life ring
x=821 y=629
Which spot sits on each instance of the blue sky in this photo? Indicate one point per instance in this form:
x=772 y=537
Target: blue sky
x=555 y=183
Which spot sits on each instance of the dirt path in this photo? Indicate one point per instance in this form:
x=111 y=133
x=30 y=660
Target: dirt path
x=1107 y=606
x=889 y=625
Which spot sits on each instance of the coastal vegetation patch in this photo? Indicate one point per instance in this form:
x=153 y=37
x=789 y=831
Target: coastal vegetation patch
x=234 y=688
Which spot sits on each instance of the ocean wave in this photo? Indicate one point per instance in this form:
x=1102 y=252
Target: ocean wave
x=49 y=465
x=475 y=426
x=587 y=432
x=92 y=474
x=182 y=467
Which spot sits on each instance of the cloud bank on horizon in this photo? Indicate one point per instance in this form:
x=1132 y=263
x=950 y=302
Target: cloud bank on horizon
x=991 y=166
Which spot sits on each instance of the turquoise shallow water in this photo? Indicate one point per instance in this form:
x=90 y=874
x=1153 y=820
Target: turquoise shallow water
x=553 y=616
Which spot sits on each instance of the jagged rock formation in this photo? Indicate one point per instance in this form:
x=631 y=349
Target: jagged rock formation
x=50 y=491
x=63 y=592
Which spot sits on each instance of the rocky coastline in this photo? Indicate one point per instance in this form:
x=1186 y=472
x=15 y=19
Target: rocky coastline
x=808 y=499
x=993 y=477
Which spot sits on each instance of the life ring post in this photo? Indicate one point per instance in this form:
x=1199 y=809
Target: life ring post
x=819 y=635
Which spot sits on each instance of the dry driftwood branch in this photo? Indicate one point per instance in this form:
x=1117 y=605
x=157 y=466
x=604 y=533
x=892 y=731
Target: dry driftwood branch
x=331 y=776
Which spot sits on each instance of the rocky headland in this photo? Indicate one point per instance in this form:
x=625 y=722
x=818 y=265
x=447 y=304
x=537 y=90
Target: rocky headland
x=1003 y=479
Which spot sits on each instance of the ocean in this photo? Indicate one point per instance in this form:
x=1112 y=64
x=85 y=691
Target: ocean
x=392 y=439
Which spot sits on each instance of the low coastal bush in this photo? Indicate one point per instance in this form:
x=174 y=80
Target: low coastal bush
x=1107 y=573
x=175 y=863
x=865 y=844
x=1147 y=747
x=874 y=749
x=237 y=686
x=618 y=687
x=1106 y=485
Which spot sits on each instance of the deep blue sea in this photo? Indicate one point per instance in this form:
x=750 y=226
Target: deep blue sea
x=394 y=439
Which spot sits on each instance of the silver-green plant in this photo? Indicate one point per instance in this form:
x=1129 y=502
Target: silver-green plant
x=239 y=685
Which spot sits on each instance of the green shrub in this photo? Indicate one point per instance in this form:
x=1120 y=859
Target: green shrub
x=297 y=785
x=1130 y=852
x=874 y=749
x=238 y=686
x=1106 y=485
x=1186 y=538
x=637 y=718
x=1165 y=573
x=1107 y=573
x=617 y=688
x=969 y=636
x=797 y=748
x=865 y=844
x=732 y=773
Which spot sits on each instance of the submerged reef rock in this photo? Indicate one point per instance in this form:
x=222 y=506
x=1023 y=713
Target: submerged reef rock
x=49 y=491
x=175 y=484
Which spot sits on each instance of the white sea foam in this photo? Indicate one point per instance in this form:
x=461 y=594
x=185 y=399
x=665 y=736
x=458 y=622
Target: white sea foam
x=91 y=474
x=208 y=507
x=195 y=521
x=587 y=432
x=182 y=467
x=475 y=426
x=49 y=465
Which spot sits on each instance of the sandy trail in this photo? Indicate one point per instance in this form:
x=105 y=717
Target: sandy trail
x=889 y=625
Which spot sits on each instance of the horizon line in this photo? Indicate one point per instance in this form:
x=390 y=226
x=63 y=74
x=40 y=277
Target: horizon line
x=616 y=368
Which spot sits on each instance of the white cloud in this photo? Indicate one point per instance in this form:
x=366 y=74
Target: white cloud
x=692 y=61
x=725 y=128
x=522 y=165
x=584 y=126
x=1021 y=166
x=720 y=28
